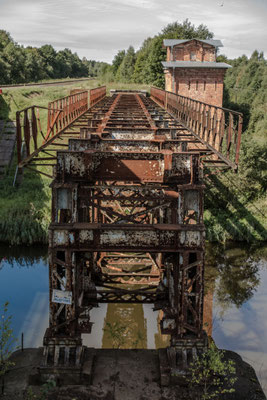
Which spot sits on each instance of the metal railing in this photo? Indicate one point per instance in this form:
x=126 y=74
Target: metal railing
x=97 y=95
x=218 y=128
x=61 y=113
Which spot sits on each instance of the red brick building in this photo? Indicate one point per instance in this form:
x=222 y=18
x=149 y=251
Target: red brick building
x=191 y=69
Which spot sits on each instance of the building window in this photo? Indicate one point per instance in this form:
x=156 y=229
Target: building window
x=196 y=85
x=204 y=87
x=215 y=85
x=188 y=85
x=193 y=56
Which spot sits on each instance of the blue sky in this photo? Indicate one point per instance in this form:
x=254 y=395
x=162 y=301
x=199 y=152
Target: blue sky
x=97 y=29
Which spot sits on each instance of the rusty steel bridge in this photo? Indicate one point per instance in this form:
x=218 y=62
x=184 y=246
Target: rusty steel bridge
x=127 y=208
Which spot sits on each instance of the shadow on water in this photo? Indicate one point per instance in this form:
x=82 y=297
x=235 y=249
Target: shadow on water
x=219 y=199
x=23 y=256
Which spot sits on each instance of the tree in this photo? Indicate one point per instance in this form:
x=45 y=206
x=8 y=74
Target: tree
x=15 y=57
x=140 y=68
x=222 y=58
x=5 y=39
x=126 y=68
x=19 y=64
x=154 y=68
x=118 y=60
x=48 y=53
x=186 y=30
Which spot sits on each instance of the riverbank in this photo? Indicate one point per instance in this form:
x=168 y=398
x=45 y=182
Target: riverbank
x=110 y=374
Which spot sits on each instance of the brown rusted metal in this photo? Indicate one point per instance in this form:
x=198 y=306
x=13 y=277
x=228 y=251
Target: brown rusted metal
x=97 y=95
x=127 y=209
x=61 y=114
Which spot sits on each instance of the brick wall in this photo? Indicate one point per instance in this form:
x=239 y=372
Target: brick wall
x=203 y=84
x=192 y=51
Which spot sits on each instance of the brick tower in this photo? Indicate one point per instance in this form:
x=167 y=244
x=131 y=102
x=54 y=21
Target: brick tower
x=191 y=70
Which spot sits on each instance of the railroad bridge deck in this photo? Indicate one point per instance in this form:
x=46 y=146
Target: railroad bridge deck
x=127 y=208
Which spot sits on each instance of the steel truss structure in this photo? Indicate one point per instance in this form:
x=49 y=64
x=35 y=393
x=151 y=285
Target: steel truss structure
x=127 y=217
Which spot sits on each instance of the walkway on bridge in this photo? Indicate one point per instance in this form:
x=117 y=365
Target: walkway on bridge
x=164 y=120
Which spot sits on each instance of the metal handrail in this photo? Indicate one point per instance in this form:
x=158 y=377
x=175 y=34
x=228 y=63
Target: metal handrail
x=216 y=127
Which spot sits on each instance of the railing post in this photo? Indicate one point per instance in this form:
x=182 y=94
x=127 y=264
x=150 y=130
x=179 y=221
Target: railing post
x=229 y=136
x=34 y=128
x=27 y=133
x=19 y=138
x=239 y=133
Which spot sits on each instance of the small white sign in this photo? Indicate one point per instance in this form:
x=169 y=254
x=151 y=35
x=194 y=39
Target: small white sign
x=62 y=296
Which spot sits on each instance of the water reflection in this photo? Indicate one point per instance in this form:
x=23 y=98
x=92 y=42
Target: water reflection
x=24 y=284
x=234 y=308
x=236 y=270
x=239 y=304
x=125 y=327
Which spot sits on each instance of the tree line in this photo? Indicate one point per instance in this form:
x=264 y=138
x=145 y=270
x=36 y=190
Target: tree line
x=144 y=66
x=20 y=64
x=245 y=90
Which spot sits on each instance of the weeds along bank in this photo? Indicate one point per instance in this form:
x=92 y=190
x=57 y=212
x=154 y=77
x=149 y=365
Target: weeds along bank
x=235 y=204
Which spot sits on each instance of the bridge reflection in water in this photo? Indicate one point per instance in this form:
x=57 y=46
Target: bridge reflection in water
x=234 y=311
x=135 y=326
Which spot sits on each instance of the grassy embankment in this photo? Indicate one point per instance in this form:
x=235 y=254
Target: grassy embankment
x=232 y=213
x=25 y=209
x=236 y=204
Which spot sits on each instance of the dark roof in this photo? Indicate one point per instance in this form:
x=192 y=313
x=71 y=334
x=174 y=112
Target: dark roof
x=194 y=64
x=173 y=42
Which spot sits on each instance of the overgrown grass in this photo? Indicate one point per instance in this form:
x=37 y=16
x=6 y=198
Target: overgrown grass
x=24 y=209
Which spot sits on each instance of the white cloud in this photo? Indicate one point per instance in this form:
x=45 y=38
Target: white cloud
x=97 y=29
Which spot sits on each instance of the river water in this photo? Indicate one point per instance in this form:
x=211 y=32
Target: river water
x=235 y=311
